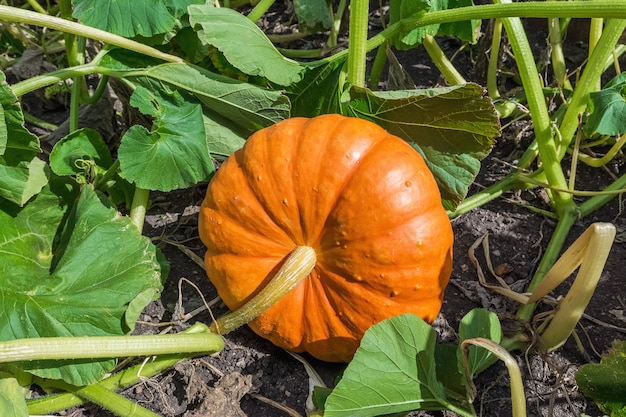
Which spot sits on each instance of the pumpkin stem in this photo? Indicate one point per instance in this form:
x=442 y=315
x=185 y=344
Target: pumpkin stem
x=297 y=266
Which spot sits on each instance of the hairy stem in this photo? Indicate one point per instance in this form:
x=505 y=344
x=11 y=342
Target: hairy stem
x=16 y=15
x=357 y=42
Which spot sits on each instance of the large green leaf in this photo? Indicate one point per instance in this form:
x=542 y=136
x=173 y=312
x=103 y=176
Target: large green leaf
x=393 y=371
x=125 y=18
x=174 y=154
x=22 y=174
x=246 y=106
x=72 y=267
x=243 y=44
x=452 y=127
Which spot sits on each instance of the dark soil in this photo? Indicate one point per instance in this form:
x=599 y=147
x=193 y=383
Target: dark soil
x=254 y=378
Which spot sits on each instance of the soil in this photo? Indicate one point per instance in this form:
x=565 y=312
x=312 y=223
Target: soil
x=251 y=377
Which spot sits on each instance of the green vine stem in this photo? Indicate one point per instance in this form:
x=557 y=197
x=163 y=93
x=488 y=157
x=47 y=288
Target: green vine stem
x=357 y=42
x=378 y=66
x=114 y=402
x=555 y=34
x=589 y=80
x=297 y=266
x=539 y=111
x=336 y=27
x=494 y=60
x=74 y=395
x=139 y=207
x=595 y=32
x=259 y=10
x=92 y=347
x=130 y=376
x=441 y=61
x=16 y=15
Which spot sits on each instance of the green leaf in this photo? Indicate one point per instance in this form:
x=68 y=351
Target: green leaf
x=393 y=371
x=72 y=267
x=243 y=44
x=452 y=127
x=247 y=106
x=466 y=30
x=222 y=140
x=605 y=382
x=12 y=402
x=22 y=174
x=480 y=323
x=125 y=18
x=319 y=91
x=174 y=154
x=312 y=15
x=399 y=9
x=451 y=376
x=74 y=153
x=608 y=109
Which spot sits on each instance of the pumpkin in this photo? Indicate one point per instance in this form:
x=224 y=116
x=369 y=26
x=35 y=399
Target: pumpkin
x=366 y=203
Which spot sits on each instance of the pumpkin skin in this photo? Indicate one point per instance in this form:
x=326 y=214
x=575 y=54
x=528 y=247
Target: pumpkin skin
x=362 y=198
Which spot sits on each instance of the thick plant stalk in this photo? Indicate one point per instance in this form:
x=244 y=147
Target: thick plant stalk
x=74 y=395
x=357 y=42
x=589 y=80
x=139 y=207
x=16 y=15
x=296 y=267
x=92 y=347
x=450 y=73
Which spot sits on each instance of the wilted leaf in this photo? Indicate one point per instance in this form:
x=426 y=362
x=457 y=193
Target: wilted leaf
x=452 y=127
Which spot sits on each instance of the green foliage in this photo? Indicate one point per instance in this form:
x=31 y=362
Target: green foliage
x=174 y=153
x=12 y=402
x=399 y=367
x=605 y=382
x=22 y=173
x=144 y=18
x=313 y=15
x=452 y=127
x=243 y=44
x=57 y=278
x=399 y=9
x=608 y=109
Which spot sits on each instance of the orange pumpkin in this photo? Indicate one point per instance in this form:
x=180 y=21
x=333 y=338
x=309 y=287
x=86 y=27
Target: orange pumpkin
x=362 y=198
